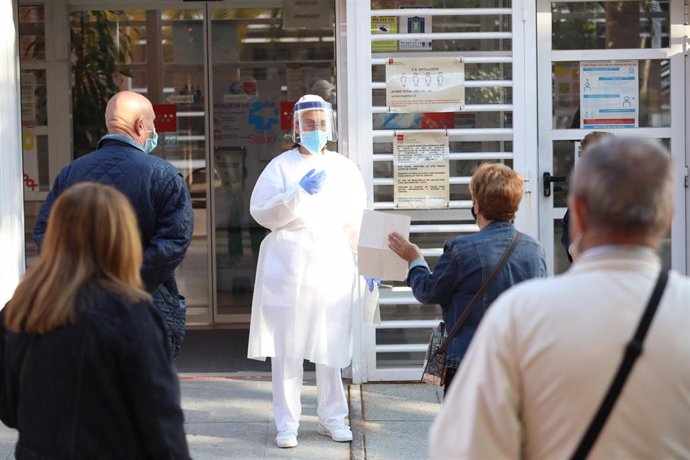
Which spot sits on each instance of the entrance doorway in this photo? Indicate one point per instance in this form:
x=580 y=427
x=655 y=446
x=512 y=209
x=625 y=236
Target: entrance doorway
x=222 y=80
x=642 y=39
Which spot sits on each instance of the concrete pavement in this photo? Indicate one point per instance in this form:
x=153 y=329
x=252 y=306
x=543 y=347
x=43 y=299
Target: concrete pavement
x=396 y=419
x=230 y=417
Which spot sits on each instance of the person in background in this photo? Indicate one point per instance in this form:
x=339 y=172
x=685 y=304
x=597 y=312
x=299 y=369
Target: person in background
x=547 y=351
x=325 y=90
x=157 y=192
x=590 y=140
x=85 y=370
x=467 y=261
x=311 y=199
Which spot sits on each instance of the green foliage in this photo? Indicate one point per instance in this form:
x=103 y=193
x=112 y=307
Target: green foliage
x=96 y=57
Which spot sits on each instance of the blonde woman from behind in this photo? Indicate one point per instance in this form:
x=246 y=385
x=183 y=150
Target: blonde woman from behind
x=85 y=369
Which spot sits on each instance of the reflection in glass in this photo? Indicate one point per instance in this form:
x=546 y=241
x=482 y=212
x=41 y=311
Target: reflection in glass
x=610 y=25
x=258 y=68
x=563 y=163
x=409 y=311
x=114 y=51
x=177 y=34
x=32 y=35
x=398 y=336
x=396 y=360
x=98 y=50
x=564 y=154
x=34 y=98
x=406 y=336
x=560 y=256
x=381 y=4
x=43 y=163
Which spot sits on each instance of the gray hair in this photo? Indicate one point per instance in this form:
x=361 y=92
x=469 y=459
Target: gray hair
x=626 y=186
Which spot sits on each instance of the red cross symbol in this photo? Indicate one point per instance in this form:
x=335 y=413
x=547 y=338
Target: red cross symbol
x=286 y=115
x=166 y=117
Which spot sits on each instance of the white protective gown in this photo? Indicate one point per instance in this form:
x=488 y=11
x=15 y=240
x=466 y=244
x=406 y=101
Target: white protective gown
x=306 y=273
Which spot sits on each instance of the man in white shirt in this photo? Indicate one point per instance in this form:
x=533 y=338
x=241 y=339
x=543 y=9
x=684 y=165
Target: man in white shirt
x=547 y=351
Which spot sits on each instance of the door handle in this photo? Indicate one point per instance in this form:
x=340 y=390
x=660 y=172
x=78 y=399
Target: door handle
x=548 y=178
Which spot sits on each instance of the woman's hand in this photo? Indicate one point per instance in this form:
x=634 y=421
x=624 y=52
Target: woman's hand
x=403 y=248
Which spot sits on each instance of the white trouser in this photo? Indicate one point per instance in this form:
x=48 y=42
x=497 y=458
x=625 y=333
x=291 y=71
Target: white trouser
x=286 y=382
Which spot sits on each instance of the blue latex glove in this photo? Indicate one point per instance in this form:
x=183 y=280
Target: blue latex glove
x=312 y=182
x=371 y=282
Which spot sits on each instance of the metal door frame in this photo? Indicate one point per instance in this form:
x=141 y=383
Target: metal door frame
x=676 y=132
x=361 y=137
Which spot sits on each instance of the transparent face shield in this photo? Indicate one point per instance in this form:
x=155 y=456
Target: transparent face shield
x=314 y=124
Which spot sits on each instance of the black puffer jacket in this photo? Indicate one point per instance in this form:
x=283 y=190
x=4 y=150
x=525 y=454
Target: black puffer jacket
x=103 y=387
x=161 y=200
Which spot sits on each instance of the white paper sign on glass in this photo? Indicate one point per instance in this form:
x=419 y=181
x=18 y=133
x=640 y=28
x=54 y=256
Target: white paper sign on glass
x=309 y=14
x=421 y=170
x=28 y=92
x=375 y=259
x=609 y=95
x=428 y=84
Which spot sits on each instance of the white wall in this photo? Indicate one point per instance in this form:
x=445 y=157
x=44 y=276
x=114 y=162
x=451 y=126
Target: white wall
x=11 y=193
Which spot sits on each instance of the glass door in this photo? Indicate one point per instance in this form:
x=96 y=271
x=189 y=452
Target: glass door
x=259 y=66
x=34 y=59
x=222 y=81
x=579 y=39
x=181 y=91
x=159 y=54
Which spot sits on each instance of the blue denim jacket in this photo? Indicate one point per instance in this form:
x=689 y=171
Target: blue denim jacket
x=462 y=268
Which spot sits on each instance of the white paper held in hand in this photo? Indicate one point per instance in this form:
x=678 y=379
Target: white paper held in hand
x=375 y=259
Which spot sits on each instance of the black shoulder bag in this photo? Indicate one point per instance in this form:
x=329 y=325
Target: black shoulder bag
x=435 y=359
x=632 y=351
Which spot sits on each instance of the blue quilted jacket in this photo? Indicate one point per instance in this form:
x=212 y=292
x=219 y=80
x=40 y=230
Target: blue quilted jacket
x=161 y=201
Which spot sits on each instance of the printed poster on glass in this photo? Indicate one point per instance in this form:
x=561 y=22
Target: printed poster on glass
x=421 y=170
x=609 y=95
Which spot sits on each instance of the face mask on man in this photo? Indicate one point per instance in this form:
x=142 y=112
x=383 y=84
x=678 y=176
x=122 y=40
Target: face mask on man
x=313 y=141
x=474 y=214
x=151 y=142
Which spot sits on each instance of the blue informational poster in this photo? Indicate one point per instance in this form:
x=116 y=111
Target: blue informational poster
x=609 y=95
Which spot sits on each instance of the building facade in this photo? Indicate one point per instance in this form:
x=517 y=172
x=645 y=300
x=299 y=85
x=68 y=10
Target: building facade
x=223 y=74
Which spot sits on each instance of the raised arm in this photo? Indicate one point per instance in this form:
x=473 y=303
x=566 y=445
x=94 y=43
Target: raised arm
x=275 y=201
x=428 y=287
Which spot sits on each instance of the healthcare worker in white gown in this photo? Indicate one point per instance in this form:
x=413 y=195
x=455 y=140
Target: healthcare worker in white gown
x=312 y=201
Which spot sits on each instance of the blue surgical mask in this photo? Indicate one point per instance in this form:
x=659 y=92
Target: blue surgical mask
x=313 y=141
x=151 y=142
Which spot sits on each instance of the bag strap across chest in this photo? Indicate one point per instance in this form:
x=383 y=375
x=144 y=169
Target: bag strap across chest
x=480 y=293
